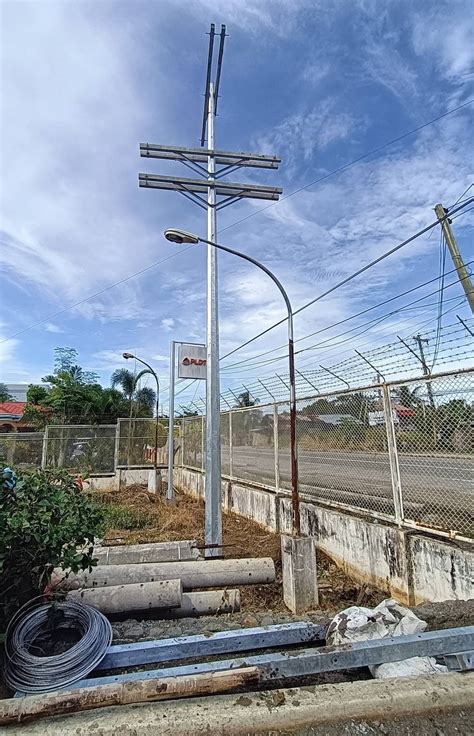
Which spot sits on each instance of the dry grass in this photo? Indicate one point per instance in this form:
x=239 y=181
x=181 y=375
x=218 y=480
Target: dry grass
x=158 y=521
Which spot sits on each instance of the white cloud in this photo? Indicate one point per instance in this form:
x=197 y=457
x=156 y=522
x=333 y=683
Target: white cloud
x=306 y=133
x=51 y=327
x=7 y=357
x=451 y=51
x=69 y=142
x=168 y=323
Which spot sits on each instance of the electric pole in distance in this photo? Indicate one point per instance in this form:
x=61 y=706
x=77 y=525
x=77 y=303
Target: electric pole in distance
x=459 y=265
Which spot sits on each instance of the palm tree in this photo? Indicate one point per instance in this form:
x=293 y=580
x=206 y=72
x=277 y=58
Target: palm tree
x=126 y=380
x=144 y=398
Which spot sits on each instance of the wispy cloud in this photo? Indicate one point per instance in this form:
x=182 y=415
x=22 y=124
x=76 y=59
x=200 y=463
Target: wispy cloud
x=51 y=327
x=168 y=323
x=305 y=134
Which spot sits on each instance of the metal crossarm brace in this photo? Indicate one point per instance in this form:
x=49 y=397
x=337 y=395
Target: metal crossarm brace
x=281 y=665
x=225 y=189
x=200 y=155
x=200 y=645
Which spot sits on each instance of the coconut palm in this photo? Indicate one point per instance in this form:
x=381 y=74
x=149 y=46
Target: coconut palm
x=144 y=398
x=126 y=380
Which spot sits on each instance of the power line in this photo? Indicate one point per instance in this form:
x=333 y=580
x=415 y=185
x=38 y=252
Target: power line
x=352 y=163
x=353 y=316
x=348 y=279
x=390 y=350
x=367 y=325
x=237 y=222
x=93 y=296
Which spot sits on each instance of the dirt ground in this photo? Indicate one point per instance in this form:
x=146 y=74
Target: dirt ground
x=241 y=538
x=457 y=723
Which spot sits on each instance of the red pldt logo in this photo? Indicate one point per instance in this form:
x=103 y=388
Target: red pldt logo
x=194 y=361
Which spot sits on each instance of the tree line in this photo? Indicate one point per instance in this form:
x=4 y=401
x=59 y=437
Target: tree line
x=72 y=395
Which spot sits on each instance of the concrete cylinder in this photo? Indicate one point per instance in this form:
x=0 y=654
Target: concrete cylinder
x=137 y=597
x=194 y=575
x=205 y=603
x=130 y=554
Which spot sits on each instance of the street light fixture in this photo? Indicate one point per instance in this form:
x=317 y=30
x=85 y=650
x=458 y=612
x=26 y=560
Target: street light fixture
x=129 y=356
x=175 y=235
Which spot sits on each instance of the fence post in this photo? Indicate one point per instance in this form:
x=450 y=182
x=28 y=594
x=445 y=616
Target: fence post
x=44 y=452
x=203 y=439
x=231 y=459
x=393 y=455
x=276 y=452
x=117 y=445
x=181 y=435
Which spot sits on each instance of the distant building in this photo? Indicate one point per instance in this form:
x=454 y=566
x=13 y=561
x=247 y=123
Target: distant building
x=11 y=417
x=11 y=414
x=18 y=391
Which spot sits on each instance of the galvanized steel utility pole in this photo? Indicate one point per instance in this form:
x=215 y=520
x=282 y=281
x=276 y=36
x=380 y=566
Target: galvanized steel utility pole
x=461 y=269
x=210 y=193
x=213 y=515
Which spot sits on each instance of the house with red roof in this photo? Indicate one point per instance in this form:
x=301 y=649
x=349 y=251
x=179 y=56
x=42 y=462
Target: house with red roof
x=11 y=417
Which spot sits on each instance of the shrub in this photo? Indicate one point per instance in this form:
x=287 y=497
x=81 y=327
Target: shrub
x=46 y=521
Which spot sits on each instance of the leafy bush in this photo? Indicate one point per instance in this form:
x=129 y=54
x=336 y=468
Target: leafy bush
x=46 y=521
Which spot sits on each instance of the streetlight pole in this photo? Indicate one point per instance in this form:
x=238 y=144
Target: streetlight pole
x=180 y=236
x=128 y=356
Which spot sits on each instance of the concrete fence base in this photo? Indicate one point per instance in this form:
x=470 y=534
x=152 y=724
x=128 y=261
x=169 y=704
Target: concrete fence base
x=411 y=566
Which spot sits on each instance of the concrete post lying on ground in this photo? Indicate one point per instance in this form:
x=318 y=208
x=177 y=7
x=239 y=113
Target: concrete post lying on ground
x=194 y=575
x=154 y=481
x=205 y=603
x=15 y=710
x=138 y=597
x=129 y=554
x=300 y=582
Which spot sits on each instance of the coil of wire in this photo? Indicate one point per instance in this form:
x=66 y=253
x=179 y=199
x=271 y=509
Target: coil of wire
x=28 y=673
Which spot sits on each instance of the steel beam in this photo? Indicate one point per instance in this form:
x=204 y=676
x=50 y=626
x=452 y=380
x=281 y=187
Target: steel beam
x=202 y=645
x=281 y=665
x=196 y=186
x=460 y=662
x=200 y=155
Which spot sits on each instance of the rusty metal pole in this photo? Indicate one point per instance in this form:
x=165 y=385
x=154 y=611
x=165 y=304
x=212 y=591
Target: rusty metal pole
x=295 y=502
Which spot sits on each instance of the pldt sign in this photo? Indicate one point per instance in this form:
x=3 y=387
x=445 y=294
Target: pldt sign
x=191 y=361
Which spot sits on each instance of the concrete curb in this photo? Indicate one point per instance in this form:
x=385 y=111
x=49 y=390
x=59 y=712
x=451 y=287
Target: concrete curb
x=269 y=712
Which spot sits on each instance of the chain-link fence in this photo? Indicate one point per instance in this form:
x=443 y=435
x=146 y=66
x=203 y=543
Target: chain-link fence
x=403 y=450
x=89 y=449
x=136 y=439
x=21 y=449
x=435 y=443
x=192 y=440
x=85 y=449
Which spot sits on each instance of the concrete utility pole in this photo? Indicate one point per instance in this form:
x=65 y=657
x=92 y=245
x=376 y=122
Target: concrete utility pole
x=210 y=193
x=426 y=371
x=461 y=269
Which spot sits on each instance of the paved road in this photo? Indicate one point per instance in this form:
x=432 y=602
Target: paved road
x=436 y=489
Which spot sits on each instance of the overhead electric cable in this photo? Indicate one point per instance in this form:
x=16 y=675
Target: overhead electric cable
x=348 y=279
x=252 y=214
x=353 y=316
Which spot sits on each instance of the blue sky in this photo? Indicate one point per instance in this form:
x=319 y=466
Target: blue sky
x=317 y=83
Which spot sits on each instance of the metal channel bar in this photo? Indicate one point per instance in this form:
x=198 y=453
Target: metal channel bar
x=280 y=665
x=200 y=645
